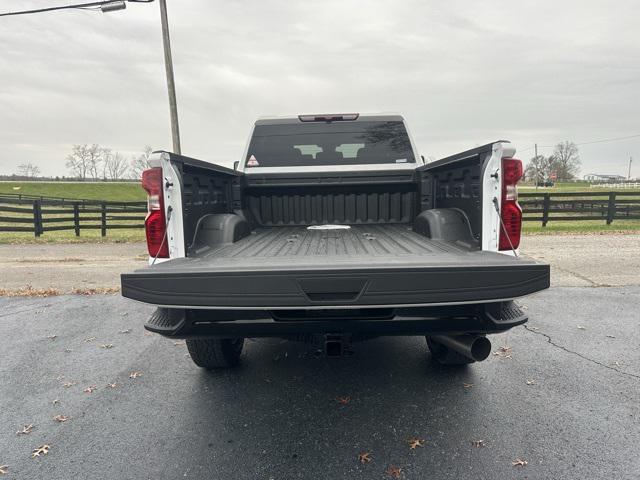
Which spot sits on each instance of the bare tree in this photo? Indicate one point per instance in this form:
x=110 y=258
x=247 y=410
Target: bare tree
x=28 y=170
x=94 y=159
x=114 y=165
x=78 y=161
x=566 y=160
x=538 y=169
x=140 y=163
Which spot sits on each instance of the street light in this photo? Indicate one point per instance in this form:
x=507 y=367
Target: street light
x=111 y=6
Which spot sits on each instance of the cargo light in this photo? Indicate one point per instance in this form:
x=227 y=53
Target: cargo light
x=155 y=224
x=334 y=117
x=510 y=211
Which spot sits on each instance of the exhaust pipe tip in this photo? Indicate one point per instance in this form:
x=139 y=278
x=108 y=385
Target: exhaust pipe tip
x=480 y=348
x=474 y=347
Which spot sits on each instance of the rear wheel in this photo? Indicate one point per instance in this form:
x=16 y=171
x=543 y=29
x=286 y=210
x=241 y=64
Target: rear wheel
x=213 y=353
x=445 y=356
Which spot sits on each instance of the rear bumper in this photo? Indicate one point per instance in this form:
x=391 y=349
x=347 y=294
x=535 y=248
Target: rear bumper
x=473 y=318
x=330 y=289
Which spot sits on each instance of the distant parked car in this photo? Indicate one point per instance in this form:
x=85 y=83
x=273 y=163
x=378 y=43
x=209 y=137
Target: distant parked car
x=545 y=183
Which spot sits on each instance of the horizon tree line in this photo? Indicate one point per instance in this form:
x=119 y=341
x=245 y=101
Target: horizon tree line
x=95 y=162
x=564 y=163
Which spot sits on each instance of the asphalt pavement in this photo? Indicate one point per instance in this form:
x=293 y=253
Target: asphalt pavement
x=563 y=395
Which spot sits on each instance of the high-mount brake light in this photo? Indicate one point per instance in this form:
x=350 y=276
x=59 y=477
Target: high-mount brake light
x=155 y=223
x=510 y=211
x=334 y=117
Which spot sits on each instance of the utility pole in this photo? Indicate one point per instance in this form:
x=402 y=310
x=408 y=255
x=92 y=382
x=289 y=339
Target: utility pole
x=171 y=86
x=629 y=174
x=535 y=145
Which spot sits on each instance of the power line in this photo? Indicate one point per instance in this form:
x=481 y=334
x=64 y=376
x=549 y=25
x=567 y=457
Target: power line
x=79 y=6
x=614 y=139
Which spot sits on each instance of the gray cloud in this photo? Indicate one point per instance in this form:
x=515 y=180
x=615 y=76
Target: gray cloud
x=462 y=73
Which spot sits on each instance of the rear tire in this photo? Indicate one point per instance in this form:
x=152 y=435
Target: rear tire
x=212 y=353
x=445 y=356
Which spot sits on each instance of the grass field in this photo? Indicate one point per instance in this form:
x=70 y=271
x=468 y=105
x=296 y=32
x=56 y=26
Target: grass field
x=568 y=187
x=111 y=191
x=133 y=192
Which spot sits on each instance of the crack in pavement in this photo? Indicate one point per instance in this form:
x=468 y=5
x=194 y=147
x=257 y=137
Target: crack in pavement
x=581 y=277
x=551 y=342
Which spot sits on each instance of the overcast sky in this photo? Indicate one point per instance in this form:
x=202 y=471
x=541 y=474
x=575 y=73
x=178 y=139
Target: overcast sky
x=462 y=73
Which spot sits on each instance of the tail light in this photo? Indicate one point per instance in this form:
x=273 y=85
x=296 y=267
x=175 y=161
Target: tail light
x=510 y=211
x=155 y=223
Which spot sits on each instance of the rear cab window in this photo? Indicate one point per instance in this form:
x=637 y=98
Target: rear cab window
x=334 y=143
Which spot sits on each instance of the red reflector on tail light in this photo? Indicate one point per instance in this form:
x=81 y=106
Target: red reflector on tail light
x=155 y=223
x=510 y=211
x=512 y=220
x=155 y=229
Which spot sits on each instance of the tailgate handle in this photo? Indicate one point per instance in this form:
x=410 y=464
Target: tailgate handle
x=331 y=289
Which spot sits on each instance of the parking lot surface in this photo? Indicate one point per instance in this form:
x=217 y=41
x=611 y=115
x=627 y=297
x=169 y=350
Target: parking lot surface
x=564 y=397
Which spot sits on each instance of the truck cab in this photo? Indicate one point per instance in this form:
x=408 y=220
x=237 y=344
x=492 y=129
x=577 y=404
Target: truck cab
x=332 y=230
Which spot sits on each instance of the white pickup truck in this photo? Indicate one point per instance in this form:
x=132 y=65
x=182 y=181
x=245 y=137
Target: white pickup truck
x=331 y=229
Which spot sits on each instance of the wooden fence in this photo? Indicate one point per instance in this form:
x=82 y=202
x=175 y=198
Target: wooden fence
x=38 y=215
x=574 y=206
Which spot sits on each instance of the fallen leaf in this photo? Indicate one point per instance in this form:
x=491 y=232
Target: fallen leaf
x=56 y=401
x=112 y=385
x=90 y=339
x=365 y=457
x=175 y=344
x=26 y=430
x=106 y=345
x=478 y=443
x=3 y=469
x=67 y=350
x=580 y=327
x=61 y=418
x=128 y=330
x=68 y=384
x=343 y=400
x=415 y=443
x=42 y=450
x=394 y=472
x=503 y=352
x=535 y=329
x=531 y=381
x=519 y=463
x=52 y=337
x=135 y=374
x=467 y=385
x=90 y=389
x=147 y=334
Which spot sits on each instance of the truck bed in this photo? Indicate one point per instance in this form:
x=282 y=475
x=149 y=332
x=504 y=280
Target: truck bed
x=365 y=265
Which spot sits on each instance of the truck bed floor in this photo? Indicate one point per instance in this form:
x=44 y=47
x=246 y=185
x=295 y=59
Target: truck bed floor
x=360 y=245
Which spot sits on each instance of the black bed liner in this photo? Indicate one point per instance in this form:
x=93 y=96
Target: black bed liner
x=365 y=265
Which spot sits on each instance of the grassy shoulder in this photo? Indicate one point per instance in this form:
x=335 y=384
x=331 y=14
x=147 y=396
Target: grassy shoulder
x=110 y=191
x=68 y=236
x=137 y=235
x=581 y=227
